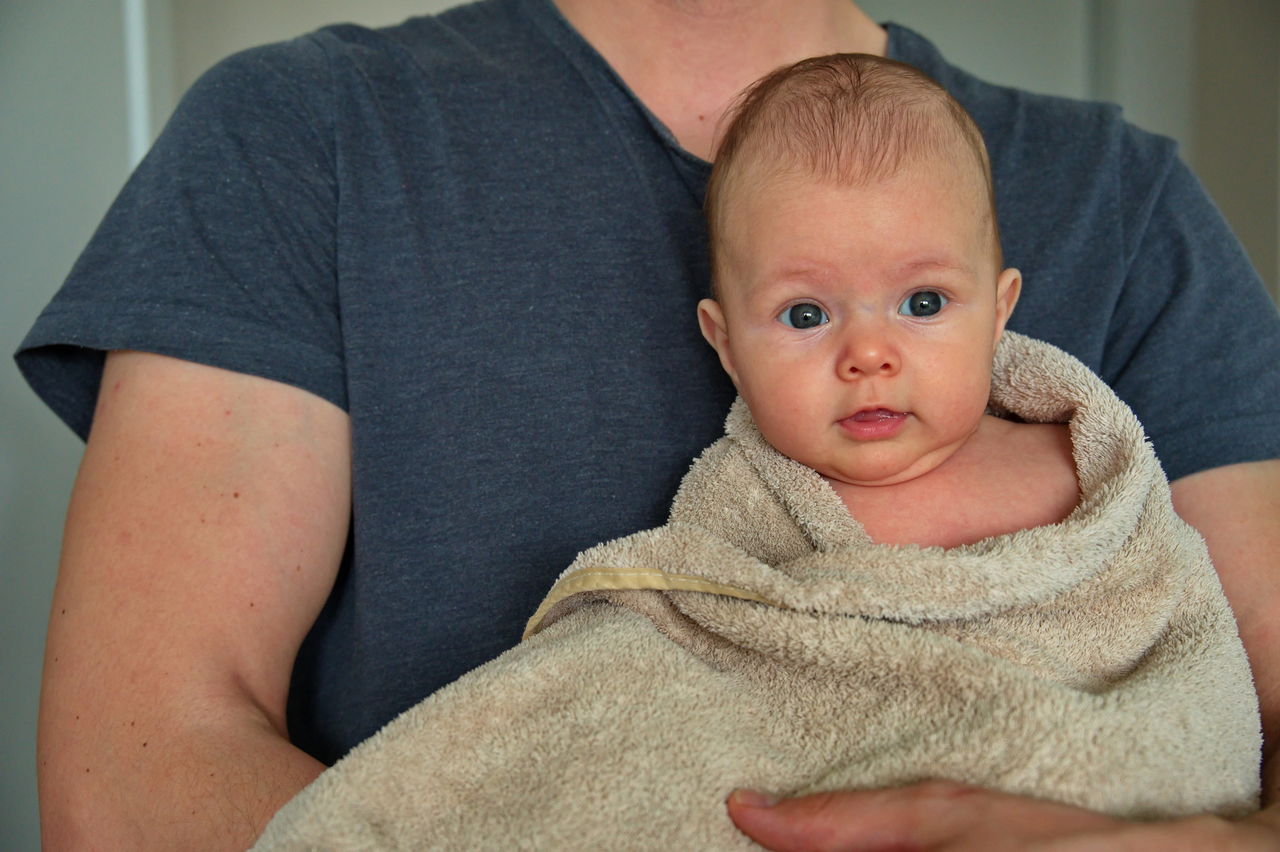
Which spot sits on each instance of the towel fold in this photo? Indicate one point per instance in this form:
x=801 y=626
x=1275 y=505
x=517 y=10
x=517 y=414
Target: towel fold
x=760 y=639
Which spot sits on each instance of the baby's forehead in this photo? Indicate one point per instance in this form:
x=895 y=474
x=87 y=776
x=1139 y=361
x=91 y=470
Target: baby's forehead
x=951 y=170
x=771 y=200
x=851 y=119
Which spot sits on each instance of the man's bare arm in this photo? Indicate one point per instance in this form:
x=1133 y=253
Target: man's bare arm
x=204 y=533
x=1237 y=510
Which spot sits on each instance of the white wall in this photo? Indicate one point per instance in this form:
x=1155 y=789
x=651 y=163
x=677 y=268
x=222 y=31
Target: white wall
x=1237 y=137
x=62 y=159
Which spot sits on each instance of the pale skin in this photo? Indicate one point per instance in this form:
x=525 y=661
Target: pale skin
x=163 y=454
x=204 y=533
x=884 y=395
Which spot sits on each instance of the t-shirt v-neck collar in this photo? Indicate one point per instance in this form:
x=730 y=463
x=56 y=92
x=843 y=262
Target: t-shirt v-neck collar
x=609 y=85
x=622 y=103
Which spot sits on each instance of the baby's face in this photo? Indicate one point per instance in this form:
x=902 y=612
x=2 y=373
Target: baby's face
x=859 y=323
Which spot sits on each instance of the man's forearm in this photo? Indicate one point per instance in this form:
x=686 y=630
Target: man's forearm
x=1263 y=827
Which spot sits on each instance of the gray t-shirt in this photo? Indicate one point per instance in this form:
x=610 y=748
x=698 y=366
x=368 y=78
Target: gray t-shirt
x=467 y=232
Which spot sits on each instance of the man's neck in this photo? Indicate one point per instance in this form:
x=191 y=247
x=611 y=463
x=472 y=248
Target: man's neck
x=687 y=59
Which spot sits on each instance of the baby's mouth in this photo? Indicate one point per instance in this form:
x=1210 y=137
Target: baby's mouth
x=874 y=424
x=871 y=415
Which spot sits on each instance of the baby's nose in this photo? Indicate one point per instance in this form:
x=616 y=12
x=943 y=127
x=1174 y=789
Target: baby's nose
x=869 y=351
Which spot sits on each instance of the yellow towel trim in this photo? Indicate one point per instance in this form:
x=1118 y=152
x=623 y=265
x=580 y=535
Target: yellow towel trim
x=608 y=579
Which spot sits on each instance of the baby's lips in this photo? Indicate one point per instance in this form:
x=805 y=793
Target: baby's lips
x=870 y=415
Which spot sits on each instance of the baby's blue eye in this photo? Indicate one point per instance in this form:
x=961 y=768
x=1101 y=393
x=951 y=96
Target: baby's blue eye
x=926 y=303
x=802 y=316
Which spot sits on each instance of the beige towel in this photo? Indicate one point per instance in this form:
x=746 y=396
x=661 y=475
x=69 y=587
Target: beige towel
x=760 y=640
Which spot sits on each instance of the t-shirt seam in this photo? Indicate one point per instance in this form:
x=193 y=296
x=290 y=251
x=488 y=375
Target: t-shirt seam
x=297 y=96
x=1137 y=235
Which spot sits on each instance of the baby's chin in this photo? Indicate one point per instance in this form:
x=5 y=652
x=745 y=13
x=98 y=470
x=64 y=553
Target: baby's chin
x=844 y=479
x=885 y=472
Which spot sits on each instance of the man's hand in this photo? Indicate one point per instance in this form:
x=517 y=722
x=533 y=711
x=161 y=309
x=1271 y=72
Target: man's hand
x=940 y=815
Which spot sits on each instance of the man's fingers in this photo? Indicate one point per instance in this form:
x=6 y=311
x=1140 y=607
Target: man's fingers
x=792 y=825
x=845 y=821
x=931 y=815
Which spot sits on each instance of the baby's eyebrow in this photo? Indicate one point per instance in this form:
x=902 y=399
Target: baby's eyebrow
x=788 y=278
x=930 y=264
x=802 y=270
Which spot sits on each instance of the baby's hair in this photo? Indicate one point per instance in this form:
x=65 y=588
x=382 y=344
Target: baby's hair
x=850 y=118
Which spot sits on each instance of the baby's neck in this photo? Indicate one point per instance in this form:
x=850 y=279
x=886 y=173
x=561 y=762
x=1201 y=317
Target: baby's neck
x=1007 y=477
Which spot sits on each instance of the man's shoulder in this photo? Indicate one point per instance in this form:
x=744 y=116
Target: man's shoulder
x=469 y=35
x=461 y=41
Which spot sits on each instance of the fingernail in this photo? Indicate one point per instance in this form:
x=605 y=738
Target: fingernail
x=753 y=798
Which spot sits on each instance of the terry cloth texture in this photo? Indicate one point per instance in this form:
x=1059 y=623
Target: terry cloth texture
x=760 y=639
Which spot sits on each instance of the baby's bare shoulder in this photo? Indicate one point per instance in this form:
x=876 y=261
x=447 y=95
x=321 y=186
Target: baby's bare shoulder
x=1037 y=469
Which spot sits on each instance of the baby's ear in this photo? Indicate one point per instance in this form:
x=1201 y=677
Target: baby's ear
x=1008 y=288
x=716 y=331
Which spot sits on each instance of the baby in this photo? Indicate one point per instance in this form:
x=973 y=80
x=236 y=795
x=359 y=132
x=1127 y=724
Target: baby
x=859 y=297
x=924 y=548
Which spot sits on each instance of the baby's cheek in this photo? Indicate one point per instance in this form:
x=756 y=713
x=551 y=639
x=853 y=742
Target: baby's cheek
x=785 y=433
x=970 y=400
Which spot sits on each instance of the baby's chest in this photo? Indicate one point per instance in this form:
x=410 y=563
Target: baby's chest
x=950 y=517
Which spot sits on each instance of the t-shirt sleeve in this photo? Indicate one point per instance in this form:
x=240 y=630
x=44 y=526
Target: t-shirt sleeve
x=220 y=249
x=1195 y=343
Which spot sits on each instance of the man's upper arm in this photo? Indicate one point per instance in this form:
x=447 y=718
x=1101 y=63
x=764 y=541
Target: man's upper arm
x=1237 y=510
x=204 y=534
